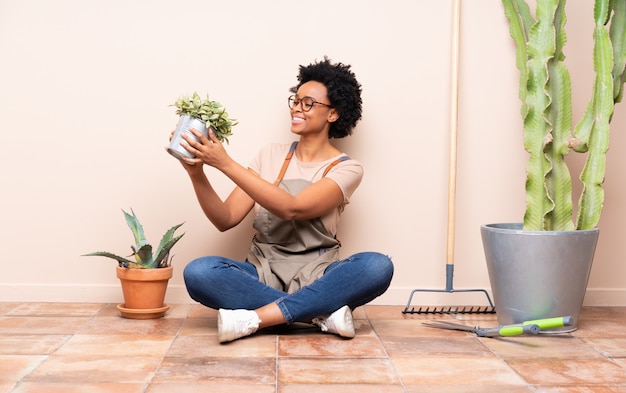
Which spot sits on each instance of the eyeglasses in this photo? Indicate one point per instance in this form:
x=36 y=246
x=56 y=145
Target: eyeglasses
x=306 y=103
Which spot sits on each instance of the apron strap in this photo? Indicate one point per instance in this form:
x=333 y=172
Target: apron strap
x=332 y=164
x=281 y=174
x=292 y=149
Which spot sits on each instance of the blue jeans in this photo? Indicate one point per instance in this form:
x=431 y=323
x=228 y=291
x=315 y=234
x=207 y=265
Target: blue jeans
x=219 y=282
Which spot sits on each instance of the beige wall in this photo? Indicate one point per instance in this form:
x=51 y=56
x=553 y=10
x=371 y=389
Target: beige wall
x=84 y=94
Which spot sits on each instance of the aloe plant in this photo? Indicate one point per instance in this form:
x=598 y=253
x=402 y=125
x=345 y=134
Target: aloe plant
x=211 y=112
x=545 y=93
x=142 y=250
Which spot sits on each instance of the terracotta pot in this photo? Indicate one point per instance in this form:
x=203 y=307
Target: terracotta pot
x=144 y=289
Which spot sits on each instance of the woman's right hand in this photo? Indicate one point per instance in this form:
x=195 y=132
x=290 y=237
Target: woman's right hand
x=190 y=167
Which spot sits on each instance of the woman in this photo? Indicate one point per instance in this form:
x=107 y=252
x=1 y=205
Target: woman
x=293 y=272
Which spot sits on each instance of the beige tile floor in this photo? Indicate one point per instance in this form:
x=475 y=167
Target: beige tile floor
x=87 y=347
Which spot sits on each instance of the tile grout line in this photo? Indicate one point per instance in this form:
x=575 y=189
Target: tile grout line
x=502 y=360
x=48 y=356
x=18 y=383
x=158 y=366
x=393 y=366
x=598 y=351
x=276 y=384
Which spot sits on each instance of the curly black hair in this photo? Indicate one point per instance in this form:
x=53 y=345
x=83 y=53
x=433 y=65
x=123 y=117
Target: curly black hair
x=344 y=93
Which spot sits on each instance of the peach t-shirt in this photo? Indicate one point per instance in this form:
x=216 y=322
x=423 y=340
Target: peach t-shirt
x=347 y=174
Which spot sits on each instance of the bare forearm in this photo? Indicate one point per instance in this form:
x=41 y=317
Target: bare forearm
x=314 y=201
x=263 y=192
x=212 y=205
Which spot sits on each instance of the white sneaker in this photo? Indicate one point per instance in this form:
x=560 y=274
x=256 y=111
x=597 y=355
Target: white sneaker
x=339 y=322
x=234 y=324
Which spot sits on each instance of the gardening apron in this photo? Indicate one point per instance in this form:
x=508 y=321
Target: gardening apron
x=290 y=254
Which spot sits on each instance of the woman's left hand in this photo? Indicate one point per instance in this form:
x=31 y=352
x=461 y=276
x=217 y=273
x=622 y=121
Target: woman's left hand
x=208 y=151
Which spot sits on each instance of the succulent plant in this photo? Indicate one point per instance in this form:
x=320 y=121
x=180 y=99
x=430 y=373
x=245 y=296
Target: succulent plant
x=211 y=112
x=142 y=250
x=545 y=93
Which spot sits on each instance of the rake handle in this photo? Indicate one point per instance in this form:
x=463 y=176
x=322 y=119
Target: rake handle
x=454 y=110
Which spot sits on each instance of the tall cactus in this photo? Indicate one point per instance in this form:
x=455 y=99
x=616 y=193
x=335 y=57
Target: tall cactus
x=545 y=92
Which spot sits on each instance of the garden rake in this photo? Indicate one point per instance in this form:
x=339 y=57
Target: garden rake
x=452 y=196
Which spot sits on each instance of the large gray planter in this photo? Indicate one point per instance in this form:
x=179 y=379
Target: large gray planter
x=538 y=274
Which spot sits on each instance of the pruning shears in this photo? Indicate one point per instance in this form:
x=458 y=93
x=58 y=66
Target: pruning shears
x=526 y=327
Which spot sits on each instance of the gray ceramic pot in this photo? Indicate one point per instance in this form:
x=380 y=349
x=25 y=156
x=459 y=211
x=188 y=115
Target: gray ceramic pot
x=538 y=274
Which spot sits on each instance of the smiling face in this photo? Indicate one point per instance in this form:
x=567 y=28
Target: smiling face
x=319 y=117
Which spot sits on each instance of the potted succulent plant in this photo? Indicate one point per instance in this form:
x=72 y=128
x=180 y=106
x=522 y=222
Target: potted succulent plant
x=144 y=279
x=540 y=268
x=201 y=114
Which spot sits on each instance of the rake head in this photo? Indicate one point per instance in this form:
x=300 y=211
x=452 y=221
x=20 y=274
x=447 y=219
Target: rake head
x=450 y=310
x=490 y=309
